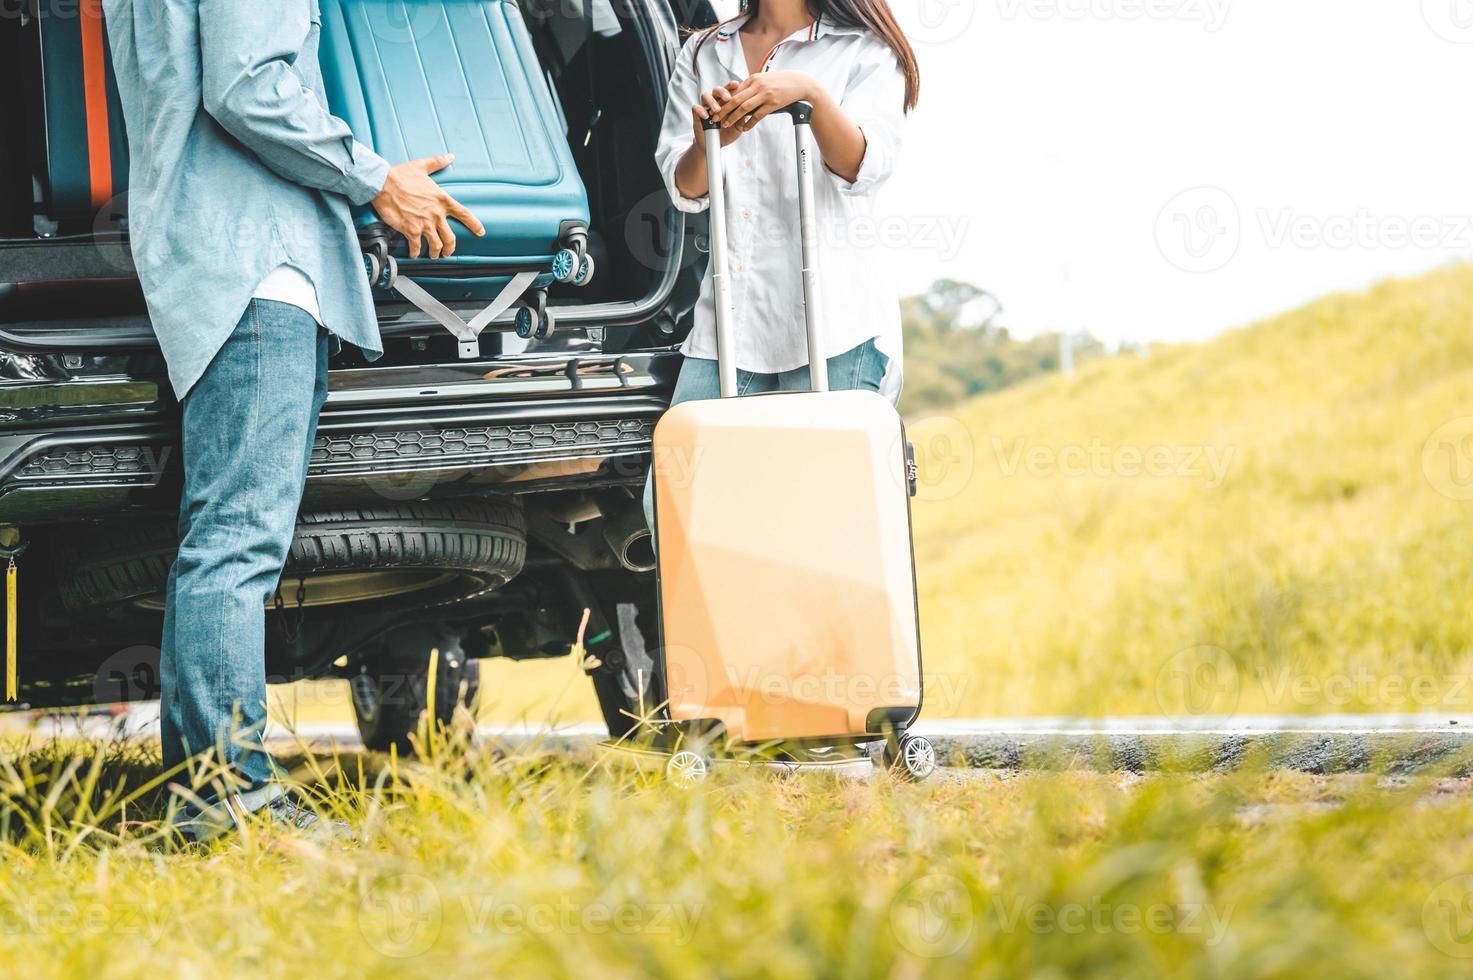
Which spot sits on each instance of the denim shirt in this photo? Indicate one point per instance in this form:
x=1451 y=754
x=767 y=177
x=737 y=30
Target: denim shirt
x=237 y=168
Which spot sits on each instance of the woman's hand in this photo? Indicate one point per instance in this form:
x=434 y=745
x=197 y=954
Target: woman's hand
x=711 y=104
x=692 y=179
x=750 y=102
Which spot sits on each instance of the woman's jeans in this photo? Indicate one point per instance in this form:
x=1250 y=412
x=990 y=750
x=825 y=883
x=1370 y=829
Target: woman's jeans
x=862 y=367
x=249 y=424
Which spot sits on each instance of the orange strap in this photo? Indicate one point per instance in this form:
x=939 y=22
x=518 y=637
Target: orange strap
x=94 y=82
x=12 y=688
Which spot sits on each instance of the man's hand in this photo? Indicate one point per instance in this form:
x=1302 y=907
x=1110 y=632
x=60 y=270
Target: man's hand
x=416 y=207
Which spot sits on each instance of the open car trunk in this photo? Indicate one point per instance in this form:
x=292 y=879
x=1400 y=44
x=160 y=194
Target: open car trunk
x=69 y=283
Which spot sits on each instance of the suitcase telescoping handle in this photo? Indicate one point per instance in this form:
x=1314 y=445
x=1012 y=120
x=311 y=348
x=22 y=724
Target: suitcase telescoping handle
x=818 y=365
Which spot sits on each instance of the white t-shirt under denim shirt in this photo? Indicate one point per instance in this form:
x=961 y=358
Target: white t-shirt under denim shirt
x=288 y=284
x=859 y=298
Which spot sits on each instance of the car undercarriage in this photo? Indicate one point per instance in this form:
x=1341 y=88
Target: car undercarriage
x=472 y=505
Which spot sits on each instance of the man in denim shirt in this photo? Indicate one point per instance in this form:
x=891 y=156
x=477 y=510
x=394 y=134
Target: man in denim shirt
x=239 y=215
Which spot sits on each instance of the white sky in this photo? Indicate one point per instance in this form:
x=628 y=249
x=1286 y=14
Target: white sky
x=1064 y=149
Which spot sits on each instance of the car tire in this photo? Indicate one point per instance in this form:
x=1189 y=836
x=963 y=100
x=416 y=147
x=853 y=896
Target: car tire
x=460 y=549
x=391 y=689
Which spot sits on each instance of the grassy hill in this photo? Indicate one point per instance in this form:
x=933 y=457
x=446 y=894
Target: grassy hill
x=1272 y=521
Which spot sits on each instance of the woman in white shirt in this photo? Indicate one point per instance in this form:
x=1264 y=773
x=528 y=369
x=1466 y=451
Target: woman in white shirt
x=850 y=59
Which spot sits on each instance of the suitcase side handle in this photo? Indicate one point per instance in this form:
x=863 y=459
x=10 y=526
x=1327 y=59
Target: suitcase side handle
x=818 y=365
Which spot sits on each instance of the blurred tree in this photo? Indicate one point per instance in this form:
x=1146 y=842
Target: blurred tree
x=954 y=351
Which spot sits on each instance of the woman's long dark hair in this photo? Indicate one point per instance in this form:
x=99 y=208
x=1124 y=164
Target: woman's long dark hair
x=874 y=16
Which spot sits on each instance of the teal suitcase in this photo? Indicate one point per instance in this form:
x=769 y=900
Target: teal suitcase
x=418 y=78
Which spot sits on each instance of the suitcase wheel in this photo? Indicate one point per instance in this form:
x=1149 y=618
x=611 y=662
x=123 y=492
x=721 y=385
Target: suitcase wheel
x=565 y=265
x=585 y=272
x=688 y=768
x=382 y=270
x=910 y=757
x=526 y=322
x=534 y=319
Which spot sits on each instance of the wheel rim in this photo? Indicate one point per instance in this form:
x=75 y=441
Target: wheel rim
x=585 y=274
x=564 y=265
x=686 y=768
x=340 y=588
x=919 y=757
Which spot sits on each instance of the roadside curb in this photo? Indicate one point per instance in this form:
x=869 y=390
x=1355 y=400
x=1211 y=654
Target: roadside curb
x=1385 y=744
x=1320 y=752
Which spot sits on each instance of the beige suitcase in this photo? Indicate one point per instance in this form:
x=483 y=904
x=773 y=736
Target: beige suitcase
x=787 y=575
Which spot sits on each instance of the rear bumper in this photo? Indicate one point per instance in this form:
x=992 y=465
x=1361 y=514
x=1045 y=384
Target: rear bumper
x=81 y=448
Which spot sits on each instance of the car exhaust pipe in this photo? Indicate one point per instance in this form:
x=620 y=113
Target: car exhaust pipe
x=629 y=537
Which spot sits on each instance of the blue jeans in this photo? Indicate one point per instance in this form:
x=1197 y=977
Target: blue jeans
x=249 y=424
x=862 y=367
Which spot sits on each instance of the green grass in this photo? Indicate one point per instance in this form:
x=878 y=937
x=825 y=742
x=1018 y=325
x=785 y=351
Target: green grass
x=1301 y=544
x=555 y=865
x=1324 y=566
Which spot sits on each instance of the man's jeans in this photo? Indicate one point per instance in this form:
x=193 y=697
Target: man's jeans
x=863 y=367
x=248 y=429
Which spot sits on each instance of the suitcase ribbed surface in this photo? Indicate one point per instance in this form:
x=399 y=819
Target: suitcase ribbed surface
x=418 y=78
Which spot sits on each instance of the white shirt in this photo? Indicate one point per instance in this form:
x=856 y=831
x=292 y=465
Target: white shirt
x=288 y=284
x=859 y=300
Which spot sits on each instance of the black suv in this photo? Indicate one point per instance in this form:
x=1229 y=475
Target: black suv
x=475 y=506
